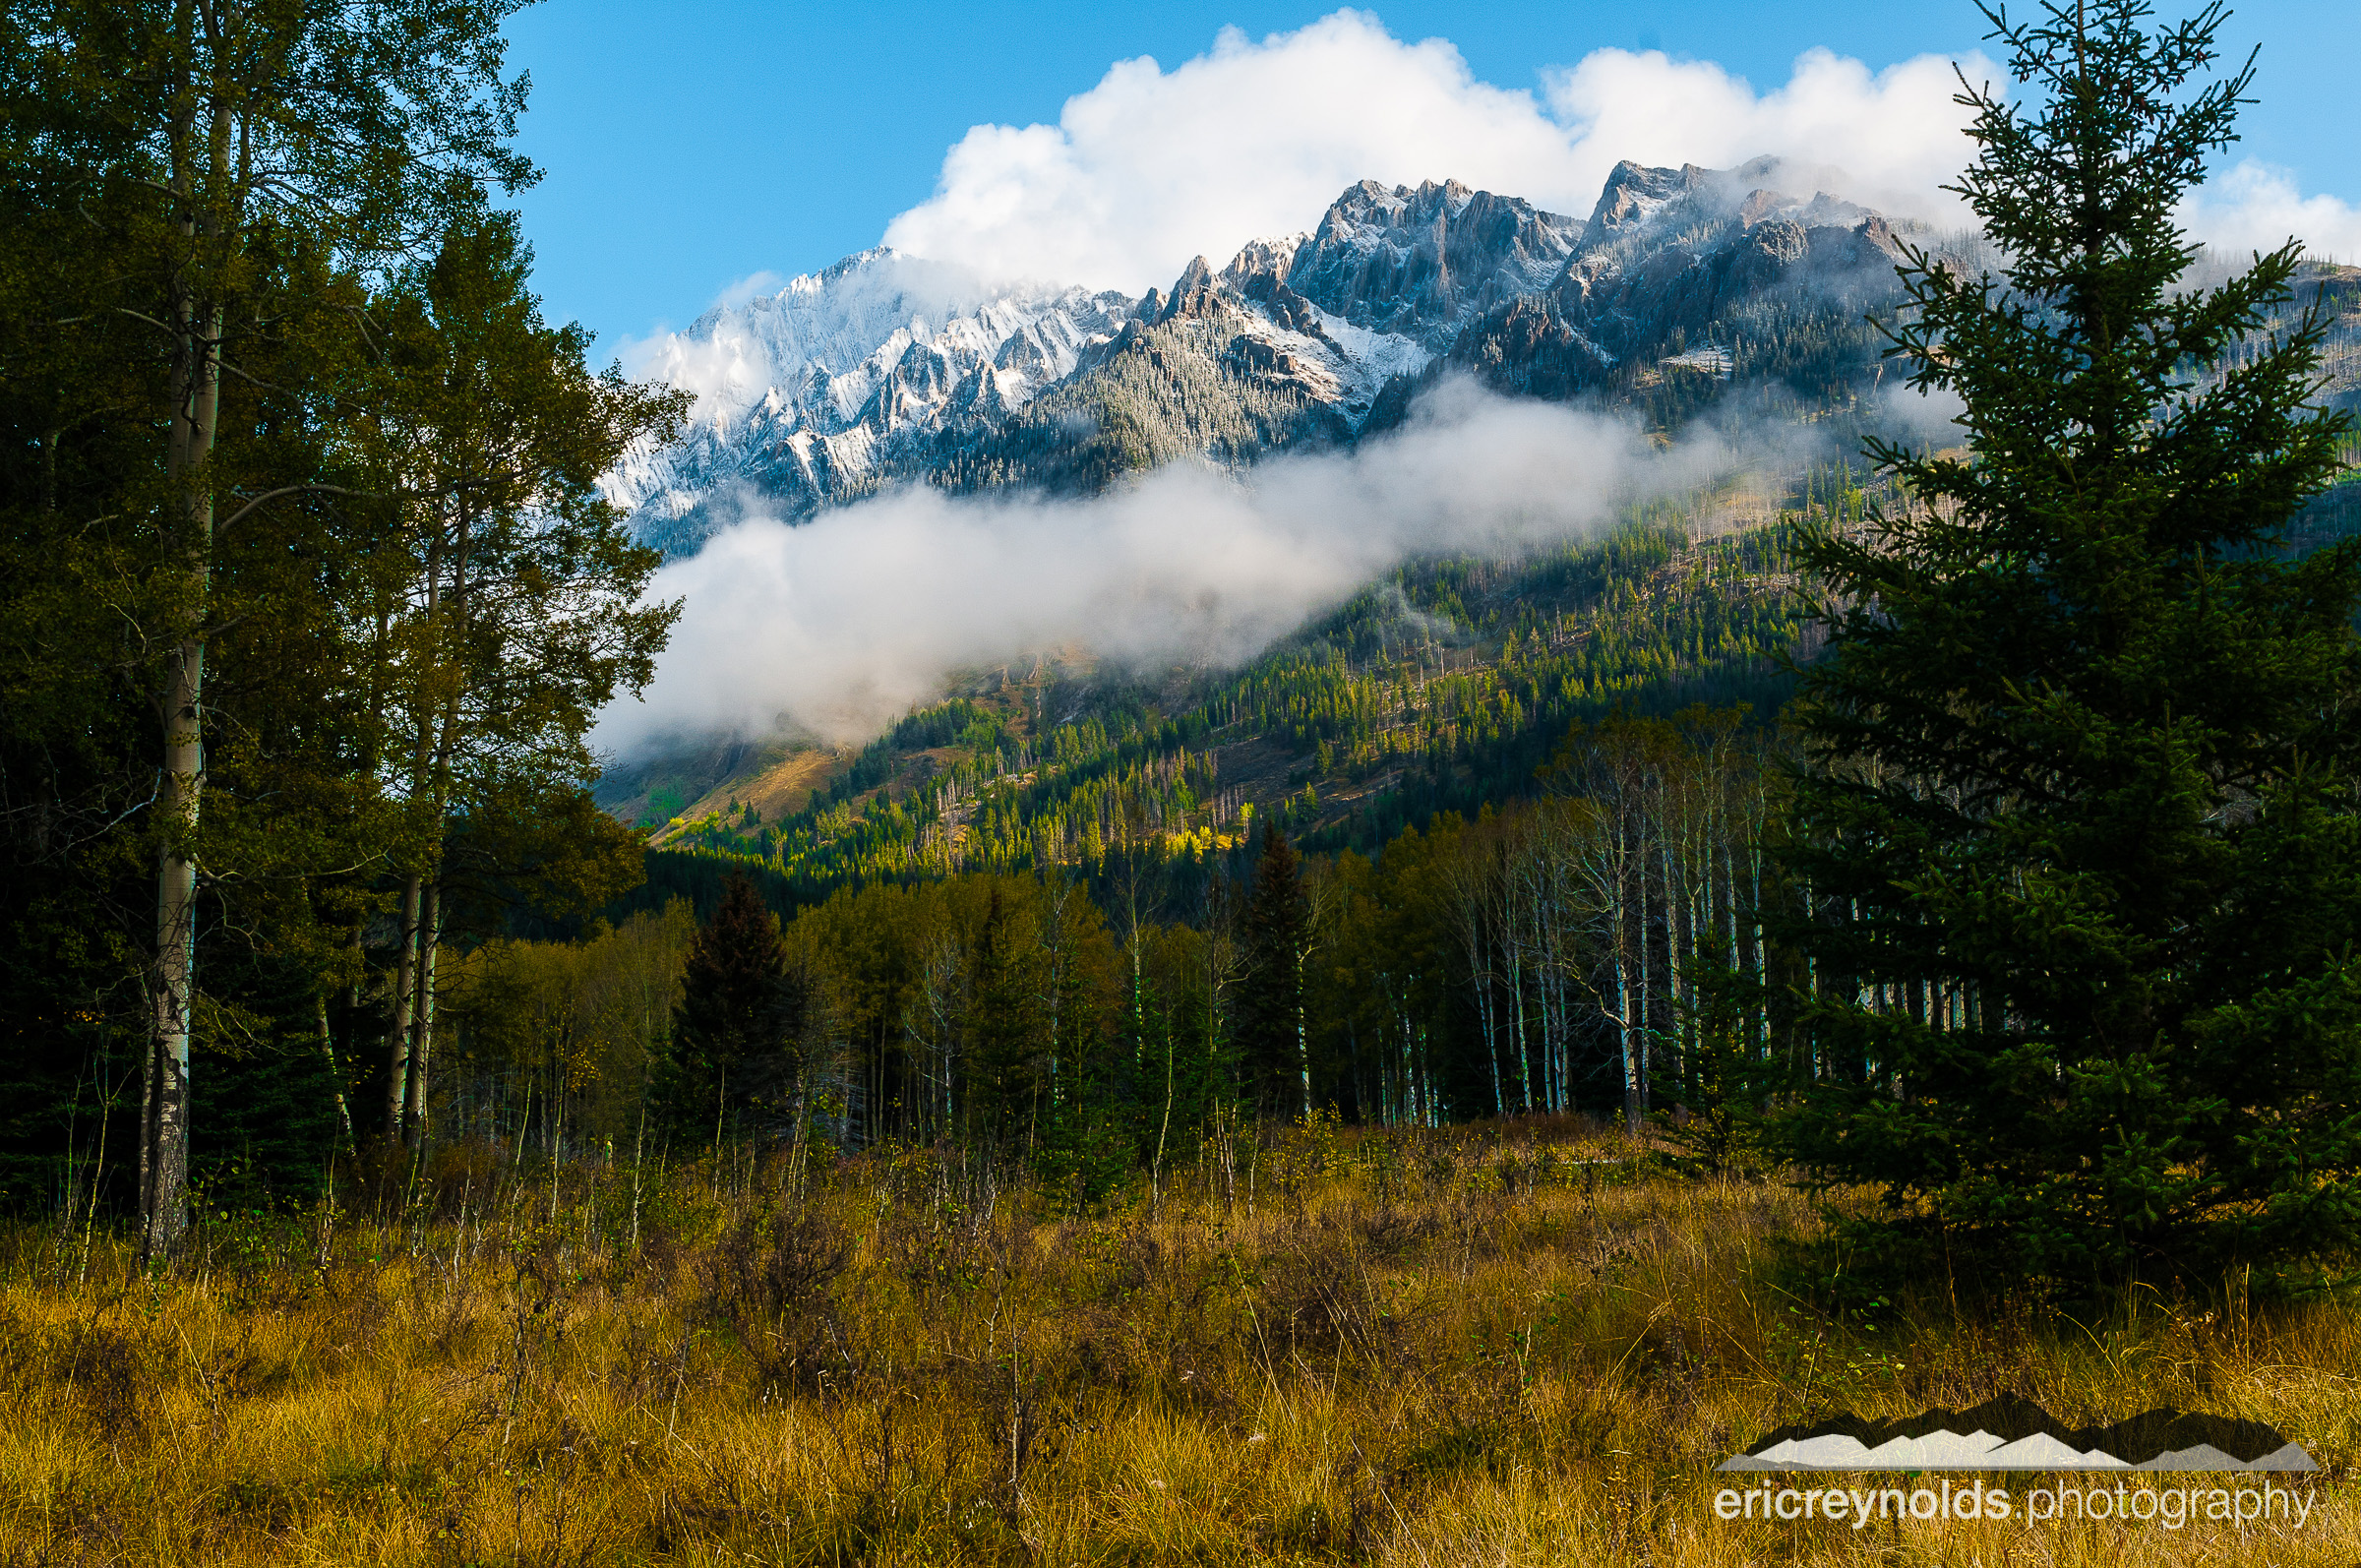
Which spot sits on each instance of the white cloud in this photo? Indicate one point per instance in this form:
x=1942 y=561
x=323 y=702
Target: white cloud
x=1896 y=132
x=2256 y=207
x=747 y=288
x=1255 y=137
x=842 y=622
x=1252 y=139
x=664 y=355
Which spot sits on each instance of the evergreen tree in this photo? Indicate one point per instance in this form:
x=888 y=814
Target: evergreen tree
x=2079 y=839
x=1002 y=1033
x=1095 y=1136
x=1271 y=1045
x=737 y=1015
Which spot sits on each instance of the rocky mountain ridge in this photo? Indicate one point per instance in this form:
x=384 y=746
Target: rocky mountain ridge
x=890 y=368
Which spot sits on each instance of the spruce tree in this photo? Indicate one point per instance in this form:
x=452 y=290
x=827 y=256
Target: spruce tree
x=1270 y=1006
x=735 y=1011
x=2079 y=827
x=1003 y=1032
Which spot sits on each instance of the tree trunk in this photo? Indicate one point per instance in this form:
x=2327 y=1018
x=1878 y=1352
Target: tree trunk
x=1626 y=1004
x=398 y=1035
x=335 y=1074
x=165 y=1118
x=1303 y=1036
x=422 y=1014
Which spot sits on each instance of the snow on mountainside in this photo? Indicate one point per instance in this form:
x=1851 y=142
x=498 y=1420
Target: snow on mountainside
x=803 y=396
x=1417 y=263
x=888 y=368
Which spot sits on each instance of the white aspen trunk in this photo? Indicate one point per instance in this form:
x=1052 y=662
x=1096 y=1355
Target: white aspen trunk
x=335 y=1075
x=1426 y=1085
x=397 y=1033
x=1730 y=888
x=422 y=1012
x=1404 y=1089
x=1516 y=1002
x=1553 y=999
x=1645 y=995
x=1754 y=861
x=399 y=1047
x=164 y=1079
x=1479 y=975
x=1537 y=923
x=1406 y=1092
x=1535 y=945
x=165 y=1117
x=1561 y=973
x=1625 y=1007
x=1303 y=1035
x=437 y=787
x=1676 y=920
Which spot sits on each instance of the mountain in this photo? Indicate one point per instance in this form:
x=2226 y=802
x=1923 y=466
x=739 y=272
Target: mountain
x=1701 y=270
x=811 y=395
x=1441 y=686
x=887 y=368
x=1405 y=264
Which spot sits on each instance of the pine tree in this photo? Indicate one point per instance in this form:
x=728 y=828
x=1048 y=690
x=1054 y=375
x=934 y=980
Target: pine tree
x=1272 y=1049
x=2079 y=834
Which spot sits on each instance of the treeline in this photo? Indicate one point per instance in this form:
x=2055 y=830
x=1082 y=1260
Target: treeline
x=1561 y=954
x=308 y=594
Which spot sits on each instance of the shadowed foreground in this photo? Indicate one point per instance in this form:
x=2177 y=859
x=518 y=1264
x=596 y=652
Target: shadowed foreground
x=1483 y=1346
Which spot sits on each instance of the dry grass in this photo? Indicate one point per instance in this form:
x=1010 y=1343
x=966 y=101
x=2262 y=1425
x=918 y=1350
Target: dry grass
x=778 y=789
x=1449 y=1348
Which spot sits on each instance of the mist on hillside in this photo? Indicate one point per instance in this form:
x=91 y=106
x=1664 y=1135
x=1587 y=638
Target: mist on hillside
x=837 y=626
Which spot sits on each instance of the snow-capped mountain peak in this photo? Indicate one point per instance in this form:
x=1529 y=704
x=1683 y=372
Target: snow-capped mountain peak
x=887 y=367
x=796 y=391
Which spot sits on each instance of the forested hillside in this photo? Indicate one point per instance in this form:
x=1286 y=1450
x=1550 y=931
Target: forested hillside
x=1443 y=686
x=1109 y=867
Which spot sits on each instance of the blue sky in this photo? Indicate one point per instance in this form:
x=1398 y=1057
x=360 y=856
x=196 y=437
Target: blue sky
x=688 y=146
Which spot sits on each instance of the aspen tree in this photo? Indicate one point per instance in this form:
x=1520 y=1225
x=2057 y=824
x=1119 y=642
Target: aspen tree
x=202 y=142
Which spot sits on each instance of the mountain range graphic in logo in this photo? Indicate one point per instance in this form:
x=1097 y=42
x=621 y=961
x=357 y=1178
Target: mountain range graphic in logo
x=2013 y=1433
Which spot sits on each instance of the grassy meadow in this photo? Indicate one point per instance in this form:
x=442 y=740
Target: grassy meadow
x=1491 y=1345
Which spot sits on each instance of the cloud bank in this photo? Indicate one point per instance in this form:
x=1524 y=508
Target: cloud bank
x=2255 y=206
x=1255 y=137
x=842 y=624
